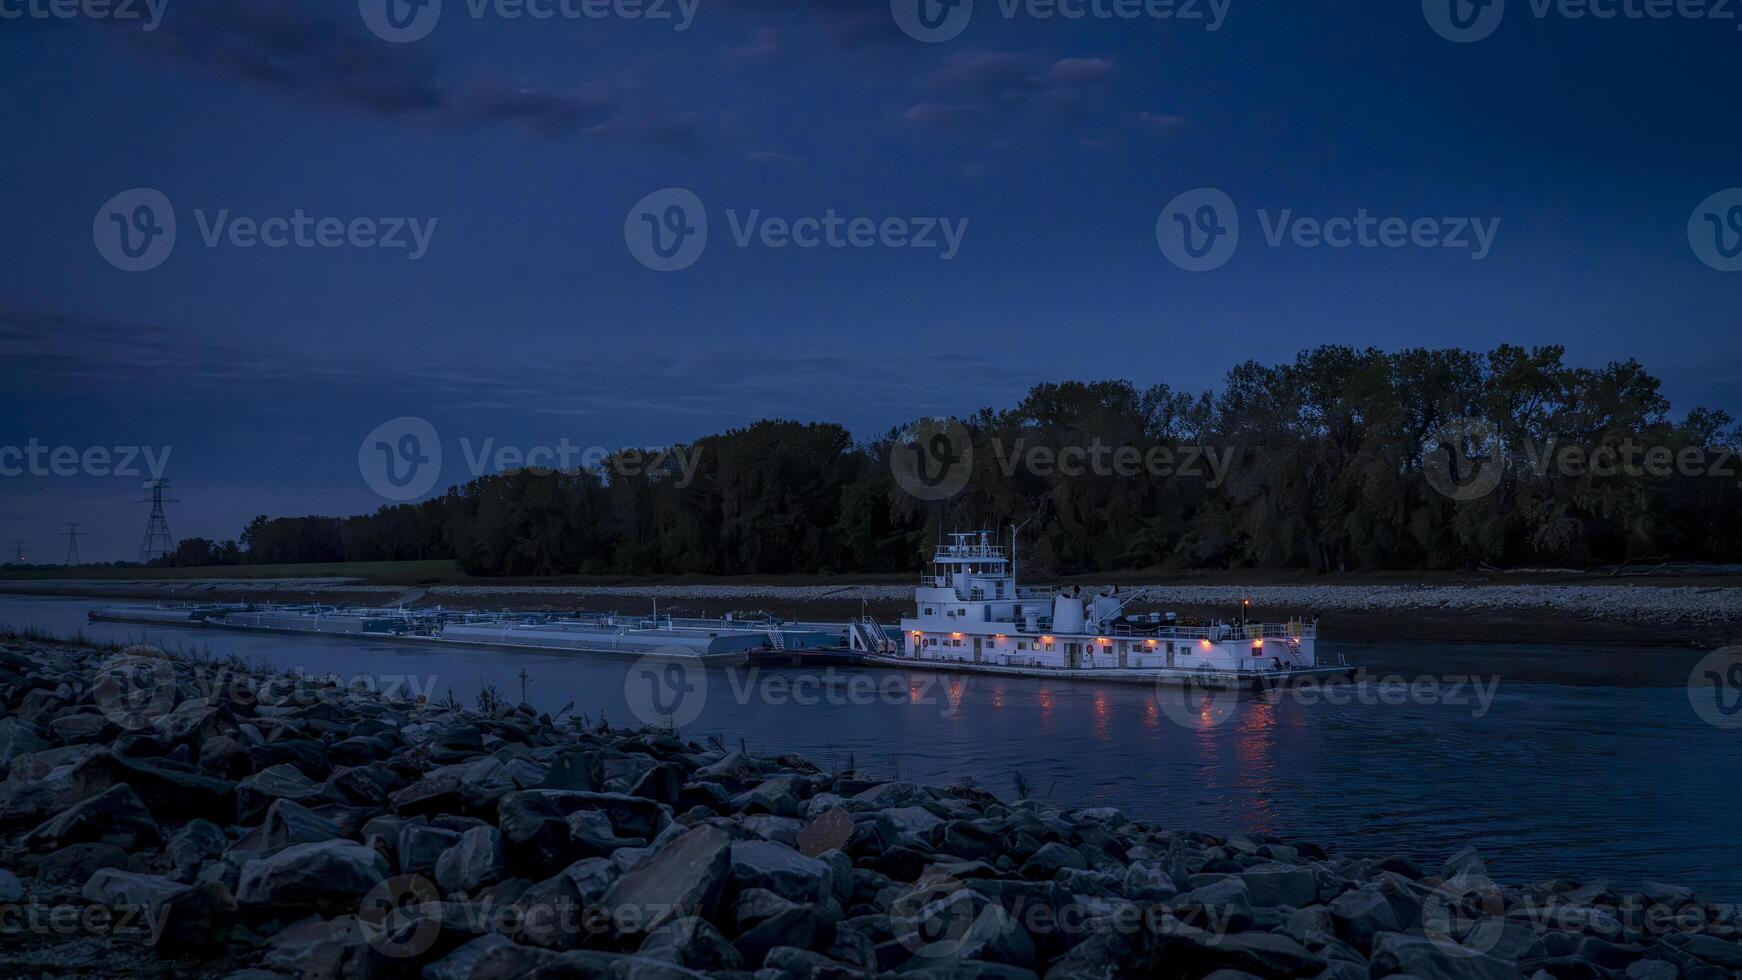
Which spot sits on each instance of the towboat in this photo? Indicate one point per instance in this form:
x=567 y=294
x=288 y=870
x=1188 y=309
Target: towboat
x=970 y=615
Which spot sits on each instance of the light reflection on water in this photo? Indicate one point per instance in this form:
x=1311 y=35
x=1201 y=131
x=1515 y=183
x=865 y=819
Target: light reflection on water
x=1589 y=763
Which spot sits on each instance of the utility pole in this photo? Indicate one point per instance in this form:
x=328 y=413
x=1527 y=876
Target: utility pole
x=157 y=540
x=72 y=536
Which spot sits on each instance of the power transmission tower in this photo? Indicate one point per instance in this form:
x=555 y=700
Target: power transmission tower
x=18 y=546
x=72 y=536
x=157 y=540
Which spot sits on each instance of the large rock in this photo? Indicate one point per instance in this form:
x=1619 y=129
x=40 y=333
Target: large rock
x=191 y=919
x=281 y=782
x=420 y=846
x=572 y=770
x=196 y=719
x=174 y=793
x=194 y=844
x=691 y=942
x=115 y=888
x=287 y=824
x=478 y=859
x=18 y=737
x=488 y=957
x=685 y=877
x=322 y=949
x=115 y=816
x=75 y=864
x=1361 y=914
x=1050 y=859
x=1396 y=952
x=1271 y=885
x=781 y=870
x=331 y=875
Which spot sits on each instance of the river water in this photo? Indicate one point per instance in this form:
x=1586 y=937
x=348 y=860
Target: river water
x=1554 y=761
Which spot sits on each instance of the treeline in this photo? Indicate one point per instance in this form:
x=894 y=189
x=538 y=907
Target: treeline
x=1343 y=459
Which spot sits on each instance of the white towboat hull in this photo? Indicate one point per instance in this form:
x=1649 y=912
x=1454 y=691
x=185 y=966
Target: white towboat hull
x=1165 y=676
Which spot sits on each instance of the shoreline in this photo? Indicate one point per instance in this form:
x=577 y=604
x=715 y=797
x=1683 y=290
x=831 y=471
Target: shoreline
x=345 y=833
x=1622 y=613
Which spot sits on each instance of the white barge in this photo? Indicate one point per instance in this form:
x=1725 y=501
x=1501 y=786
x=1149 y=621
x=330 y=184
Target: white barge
x=721 y=642
x=971 y=616
x=165 y=614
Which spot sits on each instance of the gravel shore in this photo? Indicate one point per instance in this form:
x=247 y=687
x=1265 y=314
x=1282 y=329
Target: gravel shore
x=172 y=817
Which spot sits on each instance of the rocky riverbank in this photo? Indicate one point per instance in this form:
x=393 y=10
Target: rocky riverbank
x=171 y=817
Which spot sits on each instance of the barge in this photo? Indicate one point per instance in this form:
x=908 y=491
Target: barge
x=165 y=614
x=970 y=616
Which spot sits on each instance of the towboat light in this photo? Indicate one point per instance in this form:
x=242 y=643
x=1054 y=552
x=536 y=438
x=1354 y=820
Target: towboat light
x=1206 y=643
x=1104 y=641
x=1257 y=644
x=1151 y=642
x=955 y=636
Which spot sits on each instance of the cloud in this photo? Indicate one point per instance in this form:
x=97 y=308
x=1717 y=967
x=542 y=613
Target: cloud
x=774 y=158
x=1071 y=71
x=1158 y=124
x=280 y=45
x=765 y=46
x=979 y=88
x=930 y=115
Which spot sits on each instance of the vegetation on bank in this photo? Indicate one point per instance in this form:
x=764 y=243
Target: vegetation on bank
x=1311 y=466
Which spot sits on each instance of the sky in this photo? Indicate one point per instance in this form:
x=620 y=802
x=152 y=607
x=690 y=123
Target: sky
x=990 y=204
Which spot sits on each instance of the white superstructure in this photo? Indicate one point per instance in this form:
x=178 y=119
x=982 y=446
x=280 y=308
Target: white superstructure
x=971 y=614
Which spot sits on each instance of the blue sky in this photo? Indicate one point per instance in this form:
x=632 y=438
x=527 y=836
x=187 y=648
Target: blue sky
x=527 y=142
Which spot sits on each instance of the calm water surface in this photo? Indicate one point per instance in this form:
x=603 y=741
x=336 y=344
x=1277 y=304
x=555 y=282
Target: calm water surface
x=1588 y=762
